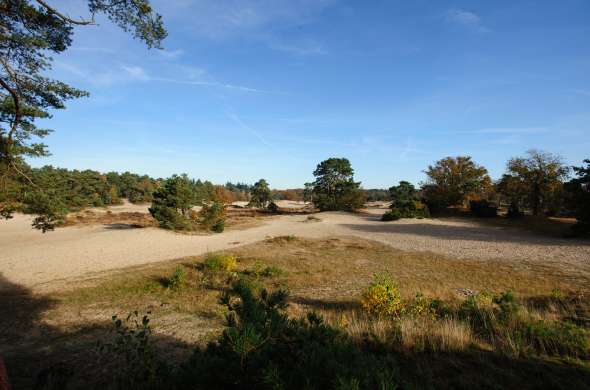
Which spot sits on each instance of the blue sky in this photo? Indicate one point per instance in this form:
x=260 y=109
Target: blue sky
x=268 y=88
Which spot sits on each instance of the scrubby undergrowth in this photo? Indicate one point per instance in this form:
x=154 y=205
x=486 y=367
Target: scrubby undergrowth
x=415 y=324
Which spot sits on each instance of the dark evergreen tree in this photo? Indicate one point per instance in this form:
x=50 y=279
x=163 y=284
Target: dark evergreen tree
x=261 y=195
x=334 y=187
x=405 y=201
x=579 y=190
x=30 y=31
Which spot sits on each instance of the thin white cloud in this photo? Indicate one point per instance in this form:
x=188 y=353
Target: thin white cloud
x=466 y=19
x=209 y=84
x=250 y=130
x=222 y=19
x=582 y=92
x=307 y=49
x=70 y=68
x=171 y=54
x=136 y=72
x=93 y=49
x=509 y=130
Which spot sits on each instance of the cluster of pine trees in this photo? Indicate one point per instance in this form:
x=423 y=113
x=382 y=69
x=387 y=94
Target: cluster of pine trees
x=77 y=189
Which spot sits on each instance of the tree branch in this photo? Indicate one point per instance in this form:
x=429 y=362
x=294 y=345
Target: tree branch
x=63 y=17
x=23 y=174
x=17 y=112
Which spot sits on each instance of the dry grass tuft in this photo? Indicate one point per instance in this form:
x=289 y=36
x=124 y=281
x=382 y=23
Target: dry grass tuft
x=426 y=334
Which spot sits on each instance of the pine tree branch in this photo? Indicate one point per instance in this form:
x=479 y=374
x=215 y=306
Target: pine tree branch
x=66 y=18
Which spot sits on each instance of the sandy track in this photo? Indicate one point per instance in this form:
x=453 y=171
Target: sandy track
x=38 y=261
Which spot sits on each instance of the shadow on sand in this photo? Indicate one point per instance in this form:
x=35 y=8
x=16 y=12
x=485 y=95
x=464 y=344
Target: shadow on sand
x=36 y=353
x=471 y=233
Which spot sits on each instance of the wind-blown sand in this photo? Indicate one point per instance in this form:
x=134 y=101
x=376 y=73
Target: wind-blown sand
x=47 y=261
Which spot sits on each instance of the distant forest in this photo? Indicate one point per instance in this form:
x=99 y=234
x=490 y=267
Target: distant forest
x=77 y=189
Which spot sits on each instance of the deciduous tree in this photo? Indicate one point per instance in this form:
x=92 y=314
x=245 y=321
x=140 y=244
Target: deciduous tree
x=535 y=181
x=452 y=179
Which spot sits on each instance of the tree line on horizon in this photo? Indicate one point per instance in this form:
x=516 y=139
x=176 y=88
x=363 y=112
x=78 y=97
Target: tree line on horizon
x=538 y=183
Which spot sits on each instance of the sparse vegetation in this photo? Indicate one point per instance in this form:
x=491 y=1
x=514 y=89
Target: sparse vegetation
x=177 y=280
x=470 y=304
x=541 y=323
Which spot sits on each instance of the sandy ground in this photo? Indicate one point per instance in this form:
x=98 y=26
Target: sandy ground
x=46 y=261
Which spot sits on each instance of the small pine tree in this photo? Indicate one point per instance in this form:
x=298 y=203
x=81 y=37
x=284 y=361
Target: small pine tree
x=212 y=217
x=405 y=202
x=172 y=202
x=334 y=187
x=261 y=195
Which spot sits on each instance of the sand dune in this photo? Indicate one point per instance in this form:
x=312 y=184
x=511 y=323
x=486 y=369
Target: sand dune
x=43 y=261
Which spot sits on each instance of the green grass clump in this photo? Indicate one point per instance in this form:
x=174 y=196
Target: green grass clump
x=558 y=338
x=177 y=280
x=220 y=262
x=259 y=269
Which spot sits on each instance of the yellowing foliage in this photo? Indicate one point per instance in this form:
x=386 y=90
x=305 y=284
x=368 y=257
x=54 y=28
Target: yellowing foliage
x=383 y=297
x=220 y=262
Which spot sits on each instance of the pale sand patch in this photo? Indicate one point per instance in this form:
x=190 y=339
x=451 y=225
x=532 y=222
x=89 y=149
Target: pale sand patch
x=32 y=259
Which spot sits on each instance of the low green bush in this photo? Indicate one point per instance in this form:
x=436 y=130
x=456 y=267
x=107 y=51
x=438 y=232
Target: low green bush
x=131 y=358
x=219 y=226
x=212 y=217
x=169 y=218
x=262 y=348
x=177 y=280
x=220 y=262
x=392 y=215
x=260 y=269
x=383 y=297
x=558 y=338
